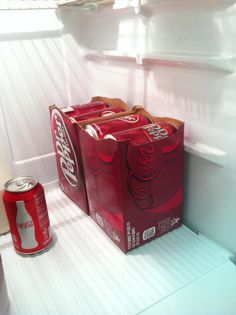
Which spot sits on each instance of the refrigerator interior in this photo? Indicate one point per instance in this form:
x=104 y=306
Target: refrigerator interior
x=175 y=58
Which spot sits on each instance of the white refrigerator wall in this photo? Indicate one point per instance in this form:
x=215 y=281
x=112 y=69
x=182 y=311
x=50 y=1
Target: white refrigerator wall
x=32 y=77
x=176 y=61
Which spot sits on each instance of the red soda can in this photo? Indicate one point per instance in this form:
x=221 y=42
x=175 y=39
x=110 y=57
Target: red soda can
x=76 y=110
x=145 y=134
x=101 y=129
x=27 y=214
x=99 y=113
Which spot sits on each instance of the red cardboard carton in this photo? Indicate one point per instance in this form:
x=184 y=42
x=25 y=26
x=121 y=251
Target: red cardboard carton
x=67 y=145
x=135 y=190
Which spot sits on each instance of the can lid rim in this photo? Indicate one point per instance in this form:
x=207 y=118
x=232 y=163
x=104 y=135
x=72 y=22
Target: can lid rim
x=18 y=178
x=91 y=131
x=109 y=136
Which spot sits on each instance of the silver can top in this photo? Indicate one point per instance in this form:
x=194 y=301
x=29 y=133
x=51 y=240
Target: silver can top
x=21 y=184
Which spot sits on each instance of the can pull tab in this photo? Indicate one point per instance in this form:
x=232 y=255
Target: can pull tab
x=23 y=185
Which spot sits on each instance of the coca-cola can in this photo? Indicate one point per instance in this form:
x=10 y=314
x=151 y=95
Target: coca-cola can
x=27 y=214
x=76 y=110
x=101 y=129
x=145 y=134
x=99 y=113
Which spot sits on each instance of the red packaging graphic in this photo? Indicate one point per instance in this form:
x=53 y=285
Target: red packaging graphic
x=68 y=157
x=135 y=190
x=67 y=146
x=27 y=214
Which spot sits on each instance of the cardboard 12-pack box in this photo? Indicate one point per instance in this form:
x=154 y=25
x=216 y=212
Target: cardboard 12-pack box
x=134 y=188
x=67 y=144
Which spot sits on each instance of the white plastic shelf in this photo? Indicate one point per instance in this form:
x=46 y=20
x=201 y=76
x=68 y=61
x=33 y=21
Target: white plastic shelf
x=84 y=3
x=222 y=62
x=85 y=273
x=132 y=6
x=214 y=62
x=137 y=5
x=213 y=294
x=27 y=4
x=205 y=151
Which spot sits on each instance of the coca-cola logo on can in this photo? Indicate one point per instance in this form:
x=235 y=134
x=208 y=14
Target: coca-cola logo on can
x=64 y=149
x=26 y=225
